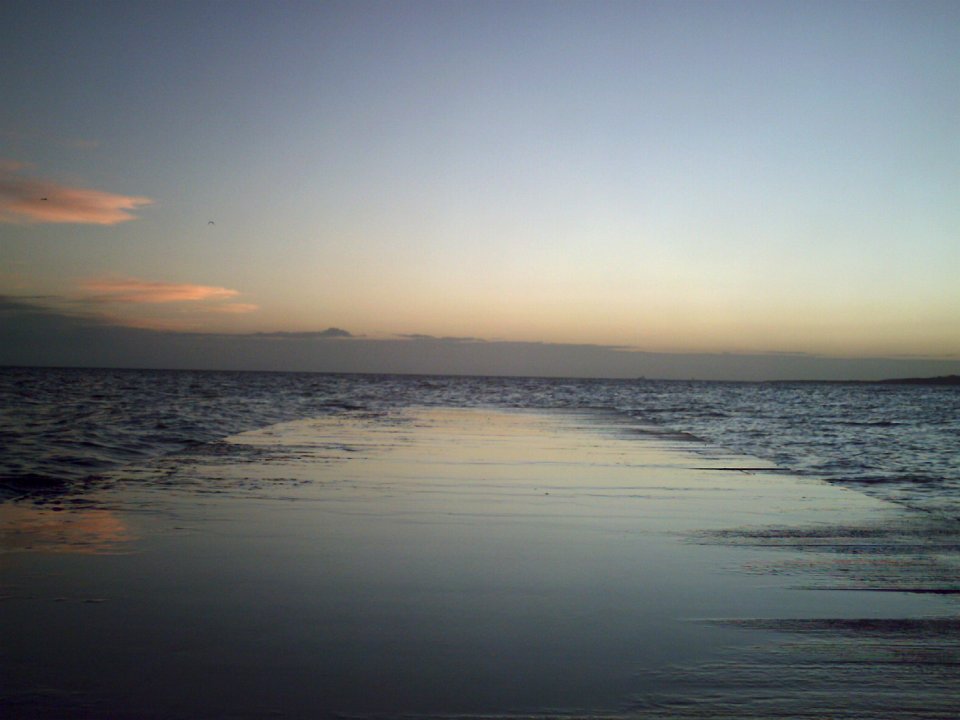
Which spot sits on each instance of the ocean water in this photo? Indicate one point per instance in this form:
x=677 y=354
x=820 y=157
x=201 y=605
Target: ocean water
x=458 y=564
x=62 y=428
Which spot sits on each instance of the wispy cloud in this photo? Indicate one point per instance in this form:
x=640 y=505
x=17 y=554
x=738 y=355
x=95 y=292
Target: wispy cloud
x=234 y=308
x=331 y=332
x=26 y=136
x=8 y=166
x=134 y=290
x=445 y=339
x=26 y=200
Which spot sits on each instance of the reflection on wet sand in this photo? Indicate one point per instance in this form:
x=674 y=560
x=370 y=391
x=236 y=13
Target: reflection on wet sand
x=447 y=563
x=41 y=528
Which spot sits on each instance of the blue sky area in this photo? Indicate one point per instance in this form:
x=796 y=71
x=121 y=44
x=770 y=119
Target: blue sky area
x=575 y=187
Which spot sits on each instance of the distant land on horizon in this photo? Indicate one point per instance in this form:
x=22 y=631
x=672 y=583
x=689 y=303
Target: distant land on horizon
x=944 y=380
x=36 y=335
x=939 y=380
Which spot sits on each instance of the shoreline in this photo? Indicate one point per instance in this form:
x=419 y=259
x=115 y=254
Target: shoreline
x=474 y=563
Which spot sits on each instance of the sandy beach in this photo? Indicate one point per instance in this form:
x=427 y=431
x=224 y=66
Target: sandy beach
x=472 y=563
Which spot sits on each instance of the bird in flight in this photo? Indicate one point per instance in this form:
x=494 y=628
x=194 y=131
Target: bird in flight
x=43 y=198
x=210 y=222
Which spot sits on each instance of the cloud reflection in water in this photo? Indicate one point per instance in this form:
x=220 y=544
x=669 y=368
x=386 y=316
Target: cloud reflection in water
x=32 y=528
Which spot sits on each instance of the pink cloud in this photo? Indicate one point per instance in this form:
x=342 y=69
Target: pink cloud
x=133 y=290
x=27 y=200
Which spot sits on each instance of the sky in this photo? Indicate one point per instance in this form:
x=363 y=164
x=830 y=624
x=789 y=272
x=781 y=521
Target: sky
x=509 y=187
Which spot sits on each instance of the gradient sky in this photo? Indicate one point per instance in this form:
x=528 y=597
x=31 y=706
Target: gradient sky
x=680 y=177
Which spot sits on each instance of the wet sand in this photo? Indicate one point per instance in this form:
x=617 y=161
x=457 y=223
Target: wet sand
x=464 y=563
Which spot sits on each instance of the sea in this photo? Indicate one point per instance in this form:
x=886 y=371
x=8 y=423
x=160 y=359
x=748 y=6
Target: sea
x=62 y=429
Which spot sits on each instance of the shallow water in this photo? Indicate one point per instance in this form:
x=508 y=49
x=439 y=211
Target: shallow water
x=445 y=563
x=898 y=442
